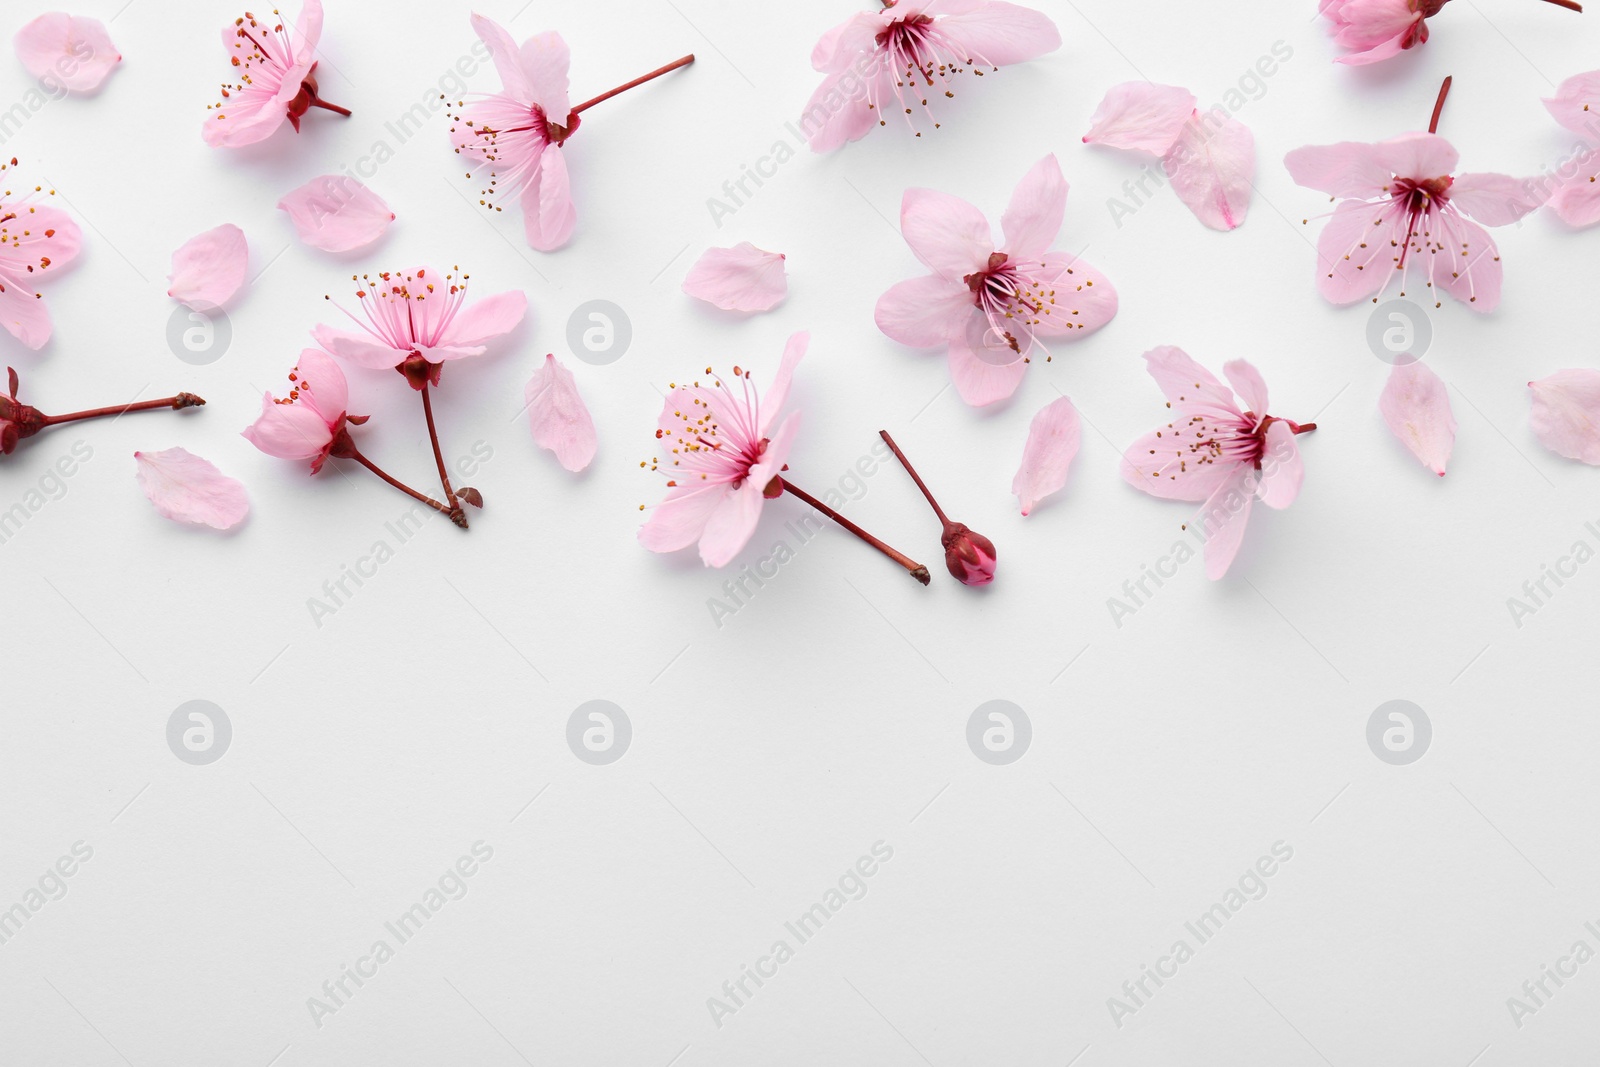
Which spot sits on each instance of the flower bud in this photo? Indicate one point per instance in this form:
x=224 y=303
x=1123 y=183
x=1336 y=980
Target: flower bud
x=970 y=556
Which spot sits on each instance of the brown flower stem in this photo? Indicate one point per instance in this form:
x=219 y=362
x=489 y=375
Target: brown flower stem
x=917 y=570
x=1438 y=107
x=1570 y=5
x=906 y=463
x=456 y=514
x=438 y=453
x=670 y=67
x=317 y=101
x=172 y=403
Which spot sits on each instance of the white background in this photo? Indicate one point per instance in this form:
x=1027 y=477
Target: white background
x=830 y=712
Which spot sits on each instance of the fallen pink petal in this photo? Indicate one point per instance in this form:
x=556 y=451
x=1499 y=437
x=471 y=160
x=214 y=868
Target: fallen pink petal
x=1575 y=196
x=336 y=213
x=1141 y=116
x=1415 y=405
x=70 y=51
x=741 y=278
x=186 y=488
x=1566 y=413
x=210 y=269
x=559 y=417
x=1053 y=440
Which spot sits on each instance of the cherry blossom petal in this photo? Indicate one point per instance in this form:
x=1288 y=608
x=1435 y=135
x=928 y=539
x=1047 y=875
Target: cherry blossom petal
x=1566 y=413
x=186 y=488
x=362 y=349
x=1224 y=516
x=560 y=421
x=48 y=237
x=777 y=394
x=548 y=214
x=321 y=384
x=1349 y=168
x=741 y=278
x=1085 y=299
x=288 y=431
x=1418 y=155
x=24 y=314
x=67 y=50
x=1416 y=406
x=209 y=269
x=1248 y=384
x=1033 y=218
x=486 y=320
x=840 y=45
x=1282 y=468
x=1376 y=54
x=1053 y=439
x=679 y=520
x=837 y=112
x=1162 y=464
x=978 y=381
x=1496 y=199
x=336 y=213
x=997 y=33
x=1183 y=381
x=546 y=60
x=1355 y=258
x=1213 y=170
x=1142 y=116
x=949 y=235
x=730 y=525
x=924 y=312
x=1575 y=104
x=1577 y=201
x=507 y=58
x=1472 y=272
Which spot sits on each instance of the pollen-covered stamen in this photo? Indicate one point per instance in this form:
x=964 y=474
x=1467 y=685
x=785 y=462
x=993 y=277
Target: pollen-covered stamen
x=700 y=448
x=16 y=214
x=924 y=63
x=408 y=311
x=508 y=138
x=1015 y=301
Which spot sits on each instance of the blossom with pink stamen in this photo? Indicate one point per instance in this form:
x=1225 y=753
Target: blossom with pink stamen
x=276 y=68
x=1376 y=30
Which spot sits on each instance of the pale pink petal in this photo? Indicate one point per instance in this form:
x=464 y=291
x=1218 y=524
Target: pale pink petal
x=24 y=314
x=840 y=46
x=307 y=32
x=507 y=58
x=838 y=110
x=1141 y=115
x=949 y=235
x=997 y=33
x=924 y=312
x=1212 y=168
x=1418 y=155
x=1566 y=413
x=486 y=320
x=776 y=454
x=1165 y=465
x=71 y=51
x=1576 y=104
x=1053 y=439
x=209 y=269
x=1416 y=406
x=730 y=525
x=336 y=213
x=47 y=237
x=1577 y=201
x=1282 y=468
x=1376 y=54
x=1497 y=199
x=1355 y=256
x=1033 y=218
x=1223 y=517
x=288 y=431
x=560 y=421
x=1085 y=299
x=777 y=394
x=548 y=214
x=1183 y=381
x=1471 y=270
x=1248 y=384
x=186 y=488
x=1349 y=168
x=679 y=520
x=362 y=349
x=978 y=381
x=741 y=278
x=322 y=385
x=546 y=59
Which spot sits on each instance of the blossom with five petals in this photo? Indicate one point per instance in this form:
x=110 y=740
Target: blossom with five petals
x=277 y=78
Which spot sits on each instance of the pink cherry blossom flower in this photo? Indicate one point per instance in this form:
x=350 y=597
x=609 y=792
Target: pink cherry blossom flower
x=909 y=57
x=1213 y=451
x=311 y=424
x=1053 y=439
x=724 y=451
x=185 y=488
x=209 y=269
x=1375 y=30
x=1566 y=413
x=1416 y=407
x=741 y=278
x=518 y=133
x=69 y=52
x=1400 y=202
x=1210 y=159
x=336 y=213
x=558 y=416
x=1575 y=189
x=994 y=308
x=19 y=421
x=276 y=69
x=36 y=240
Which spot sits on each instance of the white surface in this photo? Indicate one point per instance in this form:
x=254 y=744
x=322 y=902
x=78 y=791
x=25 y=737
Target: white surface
x=828 y=714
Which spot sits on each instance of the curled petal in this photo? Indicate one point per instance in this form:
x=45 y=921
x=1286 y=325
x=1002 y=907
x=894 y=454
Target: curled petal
x=1053 y=439
x=1566 y=413
x=548 y=214
x=289 y=431
x=1212 y=169
x=1141 y=115
x=68 y=51
x=186 y=488
x=741 y=278
x=1416 y=406
x=559 y=419
x=209 y=269
x=777 y=394
x=336 y=213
